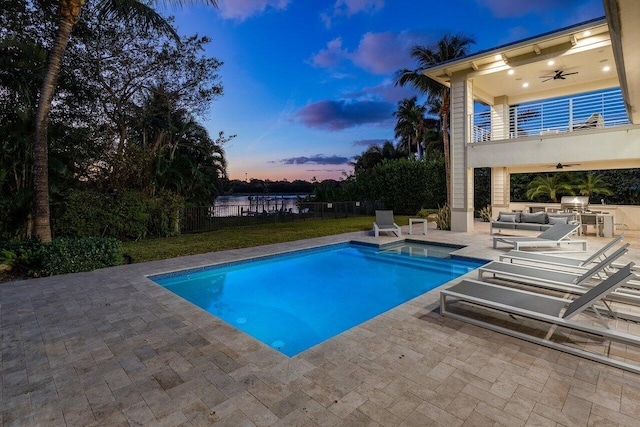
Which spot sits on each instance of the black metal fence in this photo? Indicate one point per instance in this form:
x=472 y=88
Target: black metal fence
x=198 y=219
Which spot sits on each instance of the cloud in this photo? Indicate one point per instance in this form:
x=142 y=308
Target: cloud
x=369 y=142
x=386 y=90
x=383 y=53
x=349 y=8
x=243 y=9
x=330 y=57
x=378 y=53
x=316 y=159
x=337 y=115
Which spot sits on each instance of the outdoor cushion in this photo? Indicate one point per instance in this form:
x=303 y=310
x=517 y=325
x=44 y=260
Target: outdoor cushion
x=507 y=218
x=558 y=220
x=509 y=214
x=536 y=218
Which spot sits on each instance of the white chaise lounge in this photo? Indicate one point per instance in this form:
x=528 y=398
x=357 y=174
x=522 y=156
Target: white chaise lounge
x=558 y=235
x=559 y=261
x=555 y=312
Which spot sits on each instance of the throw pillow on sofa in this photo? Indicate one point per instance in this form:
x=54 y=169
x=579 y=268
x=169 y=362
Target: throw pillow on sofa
x=508 y=215
x=507 y=218
x=536 y=218
x=558 y=220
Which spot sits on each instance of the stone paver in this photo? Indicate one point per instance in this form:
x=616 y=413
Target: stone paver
x=110 y=347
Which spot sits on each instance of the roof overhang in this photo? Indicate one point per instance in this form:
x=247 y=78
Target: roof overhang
x=516 y=70
x=523 y=71
x=623 y=18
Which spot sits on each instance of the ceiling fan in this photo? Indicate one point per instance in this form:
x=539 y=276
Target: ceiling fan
x=564 y=165
x=559 y=75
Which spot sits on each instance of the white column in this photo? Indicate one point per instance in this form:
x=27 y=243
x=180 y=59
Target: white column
x=500 y=190
x=461 y=175
x=500 y=118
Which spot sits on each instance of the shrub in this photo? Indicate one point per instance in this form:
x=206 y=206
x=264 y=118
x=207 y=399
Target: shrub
x=126 y=215
x=22 y=256
x=485 y=213
x=424 y=213
x=444 y=218
x=404 y=185
x=61 y=256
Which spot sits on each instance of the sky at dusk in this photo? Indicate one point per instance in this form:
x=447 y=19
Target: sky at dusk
x=308 y=84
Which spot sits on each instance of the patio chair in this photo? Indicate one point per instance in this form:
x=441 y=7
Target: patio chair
x=526 y=273
x=556 y=312
x=576 y=283
x=557 y=235
x=384 y=222
x=515 y=256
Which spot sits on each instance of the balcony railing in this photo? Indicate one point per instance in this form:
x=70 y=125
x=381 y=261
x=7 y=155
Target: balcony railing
x=593 y=111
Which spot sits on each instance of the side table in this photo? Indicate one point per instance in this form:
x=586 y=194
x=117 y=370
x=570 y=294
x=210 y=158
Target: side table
x=418 y=220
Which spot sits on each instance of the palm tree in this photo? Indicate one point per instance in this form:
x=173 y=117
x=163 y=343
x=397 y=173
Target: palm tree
x=447 y=48
x=69 y=14
x=548 y=186
x=411 y=124
x=592 y=184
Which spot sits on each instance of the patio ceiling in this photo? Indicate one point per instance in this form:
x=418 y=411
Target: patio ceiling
x=516 y=70
x=613 y=41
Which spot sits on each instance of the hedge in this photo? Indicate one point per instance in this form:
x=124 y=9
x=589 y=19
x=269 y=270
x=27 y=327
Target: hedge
x=61 y=256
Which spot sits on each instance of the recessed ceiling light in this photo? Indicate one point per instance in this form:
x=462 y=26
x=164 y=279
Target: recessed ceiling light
x=510 y=72
x=550 y=62
x=525 y=84
x=586 y=33
x=498 y=57
x=606 y=68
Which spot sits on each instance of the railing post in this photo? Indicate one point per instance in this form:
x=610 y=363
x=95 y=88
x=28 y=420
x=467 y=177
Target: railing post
x=570 y=114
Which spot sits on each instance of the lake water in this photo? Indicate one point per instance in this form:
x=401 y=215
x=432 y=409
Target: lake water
x=227 y=205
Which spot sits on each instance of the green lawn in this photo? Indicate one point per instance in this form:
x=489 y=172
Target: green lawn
x=244 y=237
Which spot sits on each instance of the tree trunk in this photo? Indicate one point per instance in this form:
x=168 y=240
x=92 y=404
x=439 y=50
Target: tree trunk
x=69 y=13
x=42 y=226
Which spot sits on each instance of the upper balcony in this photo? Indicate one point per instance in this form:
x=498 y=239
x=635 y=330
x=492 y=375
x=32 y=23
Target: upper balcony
x=569 y=114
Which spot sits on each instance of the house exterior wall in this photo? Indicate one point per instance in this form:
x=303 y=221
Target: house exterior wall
x=461 y=174
x=607 y=148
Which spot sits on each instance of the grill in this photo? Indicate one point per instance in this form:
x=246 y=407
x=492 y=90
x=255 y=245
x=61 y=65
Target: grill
x=574 y=203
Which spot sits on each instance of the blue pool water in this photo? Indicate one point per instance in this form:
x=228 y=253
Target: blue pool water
x=294 y=301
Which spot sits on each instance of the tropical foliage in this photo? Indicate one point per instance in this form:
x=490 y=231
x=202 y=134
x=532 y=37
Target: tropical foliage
x=551 y=186
x=119 y=109
x=447 y=48
x=376 y=154
x=68 y=15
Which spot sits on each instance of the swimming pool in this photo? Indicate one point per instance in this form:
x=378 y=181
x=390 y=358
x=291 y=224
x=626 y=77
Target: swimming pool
x=294 y=301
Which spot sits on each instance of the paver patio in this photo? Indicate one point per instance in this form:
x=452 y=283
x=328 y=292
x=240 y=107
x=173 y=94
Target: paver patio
x=110 y=347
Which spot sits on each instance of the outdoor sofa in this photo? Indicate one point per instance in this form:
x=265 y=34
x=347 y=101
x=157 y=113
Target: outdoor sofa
x=539 y=221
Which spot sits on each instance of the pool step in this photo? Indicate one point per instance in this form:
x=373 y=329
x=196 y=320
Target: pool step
x=436 y=265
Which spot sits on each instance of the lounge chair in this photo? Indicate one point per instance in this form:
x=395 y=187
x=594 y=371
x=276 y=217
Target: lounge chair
x=384 y=222
x=550 y=310
x=515 y=256
x=528 y=273
x=557 y=235
x=576 y=283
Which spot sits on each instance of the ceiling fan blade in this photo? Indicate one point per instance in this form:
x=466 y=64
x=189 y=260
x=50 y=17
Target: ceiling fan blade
x=546 y=80
x=568 y=74
x=561 y=77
